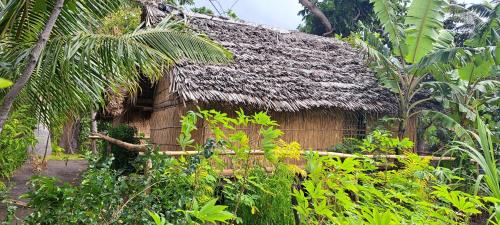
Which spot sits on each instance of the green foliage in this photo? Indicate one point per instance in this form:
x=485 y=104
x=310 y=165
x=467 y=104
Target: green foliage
x=5 y=83
x=350 y=191
x=482 y=151
x=123 y=158
x=209 y=213
x=124 y=20
x=232 y=14
x=81 y=62
x=10 y=208
x=203 y=10
x=425 y=22
x=381 y=141
x=15 y=138
x=194 y=190
x=343 y=15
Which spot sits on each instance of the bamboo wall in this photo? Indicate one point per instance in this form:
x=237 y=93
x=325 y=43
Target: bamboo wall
x=314 y=129
x=139 y=120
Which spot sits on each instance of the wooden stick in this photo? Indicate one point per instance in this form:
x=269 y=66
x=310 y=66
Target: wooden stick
x=321 y=153
x=143 y=148
x=125 y=145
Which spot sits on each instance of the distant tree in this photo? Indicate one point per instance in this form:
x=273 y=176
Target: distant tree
x=232 y=14
x=318 y=14
x=203 y=10
x=468 y=20
x=343 y=16
x=180 y=2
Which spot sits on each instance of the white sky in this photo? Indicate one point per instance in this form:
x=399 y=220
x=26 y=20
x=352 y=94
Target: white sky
x=274 y=13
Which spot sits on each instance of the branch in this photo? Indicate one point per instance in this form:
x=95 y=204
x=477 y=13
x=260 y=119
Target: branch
x=122 y=144
x=320 y=15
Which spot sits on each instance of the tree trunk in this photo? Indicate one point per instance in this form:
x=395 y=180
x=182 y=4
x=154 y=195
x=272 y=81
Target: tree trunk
x=320 y=15
x=69 y=138
x=93 y=129
x=30 y=67
x=401 y=131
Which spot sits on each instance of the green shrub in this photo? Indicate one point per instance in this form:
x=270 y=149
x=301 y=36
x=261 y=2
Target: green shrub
x=348 y=145
x=16 y=137
x=194 y=190
x=123 y=158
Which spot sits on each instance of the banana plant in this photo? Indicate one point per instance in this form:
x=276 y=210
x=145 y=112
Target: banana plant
x=417 y=50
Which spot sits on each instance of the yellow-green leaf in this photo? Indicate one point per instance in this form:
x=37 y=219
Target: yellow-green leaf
x=5 y=83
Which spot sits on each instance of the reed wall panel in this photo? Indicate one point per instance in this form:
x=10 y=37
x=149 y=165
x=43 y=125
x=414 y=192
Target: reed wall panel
x=138 y=119
x=315 y=129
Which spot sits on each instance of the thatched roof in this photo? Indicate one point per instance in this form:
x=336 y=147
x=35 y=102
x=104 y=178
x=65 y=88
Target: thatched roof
x=278 y=70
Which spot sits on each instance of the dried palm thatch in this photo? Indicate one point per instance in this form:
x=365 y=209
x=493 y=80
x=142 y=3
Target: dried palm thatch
x=276 y=70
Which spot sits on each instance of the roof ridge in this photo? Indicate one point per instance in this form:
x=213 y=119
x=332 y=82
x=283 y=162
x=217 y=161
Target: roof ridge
x=232 y=21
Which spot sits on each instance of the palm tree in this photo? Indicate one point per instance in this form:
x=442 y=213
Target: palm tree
x=417 y=49
x=76 y=65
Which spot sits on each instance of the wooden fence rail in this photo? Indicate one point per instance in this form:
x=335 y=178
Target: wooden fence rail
x=142 y=148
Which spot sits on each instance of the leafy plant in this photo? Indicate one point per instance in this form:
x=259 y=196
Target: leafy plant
x=16 y=137
x=209 y=213
x=5 y=83
x=193 y=189
x=80 y=63
x=122 y=158
x=482 y=152
x=418 y=50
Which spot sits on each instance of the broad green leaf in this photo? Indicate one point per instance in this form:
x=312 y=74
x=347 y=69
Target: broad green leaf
x=213 y=213
x=424 y=22
x=386 y=14
x=476 y=70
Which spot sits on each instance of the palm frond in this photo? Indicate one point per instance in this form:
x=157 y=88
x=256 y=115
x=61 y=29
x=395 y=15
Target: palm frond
x=75 y=72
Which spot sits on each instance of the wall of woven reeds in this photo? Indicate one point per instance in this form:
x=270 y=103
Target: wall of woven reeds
x=313 y=129
x=135 y=118
x=316 y=129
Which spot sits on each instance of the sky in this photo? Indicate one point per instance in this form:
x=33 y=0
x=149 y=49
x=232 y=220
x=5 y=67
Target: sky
x=275 y=13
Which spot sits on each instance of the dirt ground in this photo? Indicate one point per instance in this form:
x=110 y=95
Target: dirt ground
x=66 y=171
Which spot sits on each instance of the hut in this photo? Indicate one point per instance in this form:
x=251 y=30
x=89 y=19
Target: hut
x=318 y=89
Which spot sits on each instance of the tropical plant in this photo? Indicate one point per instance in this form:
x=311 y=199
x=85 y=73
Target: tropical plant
x=483 y=152
x=473 y=86
x=78 y=65
x=5 y=83
x=192 y=189
x=14 y=141
x=343 y=15
x=419 y=49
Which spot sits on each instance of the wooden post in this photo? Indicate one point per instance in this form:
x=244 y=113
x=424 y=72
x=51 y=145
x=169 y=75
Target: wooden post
x=93 y=129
